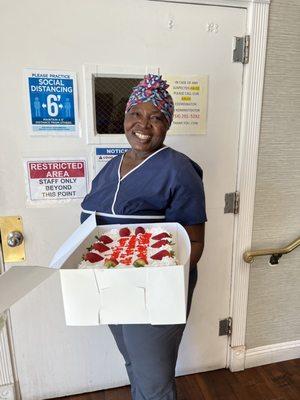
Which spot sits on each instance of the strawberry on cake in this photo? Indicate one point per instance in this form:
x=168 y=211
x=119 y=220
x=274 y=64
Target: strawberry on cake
x=126 y=247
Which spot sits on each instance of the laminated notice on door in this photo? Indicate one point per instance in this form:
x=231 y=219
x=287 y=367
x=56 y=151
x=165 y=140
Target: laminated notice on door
x=104 y=153
x=51 y=102
x=55 y=180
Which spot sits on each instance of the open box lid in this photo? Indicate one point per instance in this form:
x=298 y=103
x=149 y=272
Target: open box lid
x=18 y=281
x=71 y=244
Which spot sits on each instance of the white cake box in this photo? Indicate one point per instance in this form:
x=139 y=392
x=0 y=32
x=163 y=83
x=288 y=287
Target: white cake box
x=125 y=295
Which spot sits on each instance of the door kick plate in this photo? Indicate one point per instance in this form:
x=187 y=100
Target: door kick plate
x=9 y=225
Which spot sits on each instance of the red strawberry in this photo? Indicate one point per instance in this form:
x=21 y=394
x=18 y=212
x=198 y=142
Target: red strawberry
x=110 y=263
x=140 y=262
x=124 y=232
x=93 y=257
x=161 y=236
x=160 y=243
x=100 y=247
x=139 y=229
x=161 y=254
x=105 y=239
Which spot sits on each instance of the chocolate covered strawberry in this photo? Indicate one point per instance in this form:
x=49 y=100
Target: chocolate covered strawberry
x=140 y=262
x=110 y=263
x=124 y=232
x=160 y=243
x=160 y=236
x=161 y=254
x=93 y=257
x=101 y=247
x=105 y=239
x=139 y=229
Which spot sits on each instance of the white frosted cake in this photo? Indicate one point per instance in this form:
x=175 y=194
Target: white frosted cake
x=126 y=247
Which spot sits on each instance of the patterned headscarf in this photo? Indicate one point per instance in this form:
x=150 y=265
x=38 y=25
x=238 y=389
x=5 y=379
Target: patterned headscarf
x=152 y=88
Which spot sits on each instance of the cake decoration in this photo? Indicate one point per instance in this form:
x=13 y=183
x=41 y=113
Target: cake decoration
x=131 y=248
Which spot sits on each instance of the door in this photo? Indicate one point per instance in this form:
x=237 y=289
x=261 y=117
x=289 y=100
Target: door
x=181 y=39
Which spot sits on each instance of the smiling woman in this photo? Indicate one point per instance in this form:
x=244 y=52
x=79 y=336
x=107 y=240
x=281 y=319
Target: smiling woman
x=145 y=129
x=148 y=116
x=151 y=183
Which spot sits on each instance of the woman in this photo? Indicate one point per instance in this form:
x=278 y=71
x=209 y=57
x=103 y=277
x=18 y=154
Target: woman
x=150 y=183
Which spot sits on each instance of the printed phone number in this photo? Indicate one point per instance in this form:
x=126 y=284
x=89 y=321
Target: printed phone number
x=187 y=116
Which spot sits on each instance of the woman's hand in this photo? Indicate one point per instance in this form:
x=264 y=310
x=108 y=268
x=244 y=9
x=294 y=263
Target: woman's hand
x=196 y=234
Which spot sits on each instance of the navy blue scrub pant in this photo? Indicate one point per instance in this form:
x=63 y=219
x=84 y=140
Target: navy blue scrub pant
x=150 y=354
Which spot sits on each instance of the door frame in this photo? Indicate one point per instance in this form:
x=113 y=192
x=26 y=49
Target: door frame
x=9 y=386
x=252 y=95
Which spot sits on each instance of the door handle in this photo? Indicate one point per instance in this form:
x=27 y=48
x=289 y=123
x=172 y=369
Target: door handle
x=12 y=239
x=15 y=239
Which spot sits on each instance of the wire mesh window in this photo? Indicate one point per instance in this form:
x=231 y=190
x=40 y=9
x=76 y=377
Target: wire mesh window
x=111 y=95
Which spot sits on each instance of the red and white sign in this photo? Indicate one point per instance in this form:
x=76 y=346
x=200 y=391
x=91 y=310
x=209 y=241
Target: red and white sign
x=62 y=179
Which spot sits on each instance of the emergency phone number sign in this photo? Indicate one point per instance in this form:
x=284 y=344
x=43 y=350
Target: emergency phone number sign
x=189 y=94
x=52 y=101
x=58 y=180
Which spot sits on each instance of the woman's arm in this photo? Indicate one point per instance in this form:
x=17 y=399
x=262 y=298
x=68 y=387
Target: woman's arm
x=196 y=234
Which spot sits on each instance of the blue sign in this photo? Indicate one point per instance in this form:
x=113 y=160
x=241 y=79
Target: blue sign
x=110 y=151
x=103 y=154
x=52 y=97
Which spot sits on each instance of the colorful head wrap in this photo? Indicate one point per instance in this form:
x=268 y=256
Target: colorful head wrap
x=152 y=88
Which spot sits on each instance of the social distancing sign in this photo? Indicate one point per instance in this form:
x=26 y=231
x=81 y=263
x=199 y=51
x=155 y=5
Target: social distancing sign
x=51 y=102
x=55 y=180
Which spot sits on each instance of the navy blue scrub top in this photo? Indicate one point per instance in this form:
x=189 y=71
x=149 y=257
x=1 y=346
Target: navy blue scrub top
x=166 y=187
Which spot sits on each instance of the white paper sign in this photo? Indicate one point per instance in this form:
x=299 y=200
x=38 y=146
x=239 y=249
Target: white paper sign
x=56 y=179
x=190 y=103
x=51 y=102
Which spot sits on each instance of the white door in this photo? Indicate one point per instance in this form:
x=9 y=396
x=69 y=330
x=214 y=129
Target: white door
x=52 y=359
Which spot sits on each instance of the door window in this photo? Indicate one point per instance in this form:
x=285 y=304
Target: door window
x=111 y=96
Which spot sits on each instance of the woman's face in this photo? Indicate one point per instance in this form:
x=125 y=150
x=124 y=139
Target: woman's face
x=145 y=127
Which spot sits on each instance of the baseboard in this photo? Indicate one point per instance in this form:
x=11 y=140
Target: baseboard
x=272 y=353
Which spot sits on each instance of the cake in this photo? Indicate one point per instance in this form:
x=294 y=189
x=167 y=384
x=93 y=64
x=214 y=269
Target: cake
x=135 y=247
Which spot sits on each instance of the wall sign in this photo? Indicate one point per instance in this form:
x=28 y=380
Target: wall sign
x=55 y=179
x=52 y=102
x=190 y=99
x=105 y=153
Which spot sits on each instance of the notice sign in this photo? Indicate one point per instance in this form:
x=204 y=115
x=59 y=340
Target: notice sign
x=57 y=180
x=103 y=154
x=52 y=102
x=190 y=100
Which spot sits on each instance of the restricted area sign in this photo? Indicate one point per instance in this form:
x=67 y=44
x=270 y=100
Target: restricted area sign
x=55 y=180
x=51 y=102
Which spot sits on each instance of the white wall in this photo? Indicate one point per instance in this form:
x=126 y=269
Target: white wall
x=274 y=295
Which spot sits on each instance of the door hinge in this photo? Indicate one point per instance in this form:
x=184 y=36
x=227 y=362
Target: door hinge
x=225 y=327
x=232 y=203
x=241 y=50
